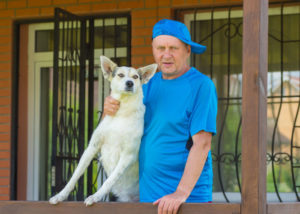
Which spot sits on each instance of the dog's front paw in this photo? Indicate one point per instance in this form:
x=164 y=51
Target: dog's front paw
x=91 y=200
x=57 y=198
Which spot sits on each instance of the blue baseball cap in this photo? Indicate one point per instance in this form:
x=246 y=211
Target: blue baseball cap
x=178 y=30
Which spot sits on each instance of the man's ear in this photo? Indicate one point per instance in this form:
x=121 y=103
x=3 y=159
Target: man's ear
x=107 y=67
x=147 y=72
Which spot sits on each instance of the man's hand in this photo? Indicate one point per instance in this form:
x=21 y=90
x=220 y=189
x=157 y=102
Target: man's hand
x=170 y=204
x=111 y=106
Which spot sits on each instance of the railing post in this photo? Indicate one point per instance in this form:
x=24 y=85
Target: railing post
x=254 y=106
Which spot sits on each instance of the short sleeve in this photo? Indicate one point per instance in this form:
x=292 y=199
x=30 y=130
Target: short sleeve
x=204 y=111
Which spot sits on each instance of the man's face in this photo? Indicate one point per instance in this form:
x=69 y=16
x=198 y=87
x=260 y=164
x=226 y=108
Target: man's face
x=171 y=55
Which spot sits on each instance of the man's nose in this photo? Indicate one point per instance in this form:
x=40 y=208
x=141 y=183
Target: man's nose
x=167 y=53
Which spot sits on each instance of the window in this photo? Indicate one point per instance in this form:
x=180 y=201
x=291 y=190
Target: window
x=220 y=29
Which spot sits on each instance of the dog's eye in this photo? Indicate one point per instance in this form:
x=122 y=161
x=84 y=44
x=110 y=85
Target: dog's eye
x=135 y=77
x=121 y=75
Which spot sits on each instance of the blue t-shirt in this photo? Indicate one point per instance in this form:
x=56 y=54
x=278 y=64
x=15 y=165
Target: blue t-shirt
x=175 y=110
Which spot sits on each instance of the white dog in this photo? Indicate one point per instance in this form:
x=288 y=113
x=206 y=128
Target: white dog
x=117 y=138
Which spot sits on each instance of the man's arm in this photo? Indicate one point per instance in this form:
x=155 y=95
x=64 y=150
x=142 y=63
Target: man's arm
x=111 y=106
x=192 y=171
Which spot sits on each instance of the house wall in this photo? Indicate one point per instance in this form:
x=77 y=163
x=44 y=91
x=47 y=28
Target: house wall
x=144 y=14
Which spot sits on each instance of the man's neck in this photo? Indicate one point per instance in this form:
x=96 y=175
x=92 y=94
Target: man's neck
x=174 y=76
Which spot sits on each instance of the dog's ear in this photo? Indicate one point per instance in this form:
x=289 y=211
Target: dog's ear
x=107 y=67
x=147 y=72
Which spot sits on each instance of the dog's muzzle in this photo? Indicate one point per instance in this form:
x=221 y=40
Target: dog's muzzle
x=129 y=85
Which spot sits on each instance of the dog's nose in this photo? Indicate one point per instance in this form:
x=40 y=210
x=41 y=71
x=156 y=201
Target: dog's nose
x=129 y=84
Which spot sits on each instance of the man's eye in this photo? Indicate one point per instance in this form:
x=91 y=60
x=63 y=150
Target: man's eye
x=121 y=75
x=135 y=77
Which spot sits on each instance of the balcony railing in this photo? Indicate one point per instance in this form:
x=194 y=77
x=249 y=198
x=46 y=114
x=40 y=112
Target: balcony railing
x=25 y=207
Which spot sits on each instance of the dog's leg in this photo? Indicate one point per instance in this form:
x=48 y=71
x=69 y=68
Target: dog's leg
x=84 y=162
x=122 y=165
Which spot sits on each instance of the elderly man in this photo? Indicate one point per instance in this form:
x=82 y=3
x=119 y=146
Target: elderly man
x=181 y=104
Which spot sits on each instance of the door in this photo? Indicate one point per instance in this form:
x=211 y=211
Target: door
x=69 y=72
x=107 y=35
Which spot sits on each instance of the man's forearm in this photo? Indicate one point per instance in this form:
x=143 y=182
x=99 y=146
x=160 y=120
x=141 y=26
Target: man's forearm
x=192 y=171
x=194 y=165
